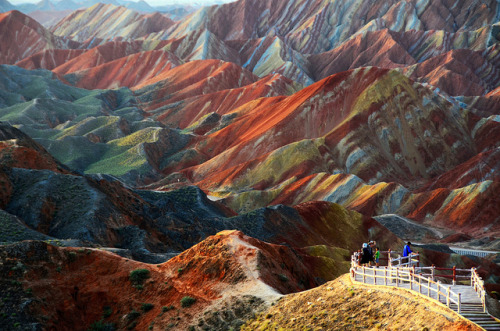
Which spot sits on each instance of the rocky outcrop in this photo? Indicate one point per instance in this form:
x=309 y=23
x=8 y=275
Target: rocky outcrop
x=21 y=36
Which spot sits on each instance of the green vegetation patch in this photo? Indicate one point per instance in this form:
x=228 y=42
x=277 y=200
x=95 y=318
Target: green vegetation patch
x=138 y=276
x=89 y=125
x=187 y=301
x=147 y=307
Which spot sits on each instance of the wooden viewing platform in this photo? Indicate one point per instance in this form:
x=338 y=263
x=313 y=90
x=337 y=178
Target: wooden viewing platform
x=467 y=297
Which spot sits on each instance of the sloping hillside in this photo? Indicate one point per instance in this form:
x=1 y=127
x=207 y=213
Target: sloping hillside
x=75 y=288
x=341 y=305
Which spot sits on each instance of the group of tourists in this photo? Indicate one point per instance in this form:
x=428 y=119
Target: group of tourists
x=370 y=254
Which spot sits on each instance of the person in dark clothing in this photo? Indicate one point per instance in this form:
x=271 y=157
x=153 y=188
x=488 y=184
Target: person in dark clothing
x=371 y=248
x=367 y=255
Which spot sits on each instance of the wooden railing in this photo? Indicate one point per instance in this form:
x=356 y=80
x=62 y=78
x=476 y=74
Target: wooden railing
x=454 y=273
x=417 y=283
x=404 y=261
x=478 y=284
x=400 y=270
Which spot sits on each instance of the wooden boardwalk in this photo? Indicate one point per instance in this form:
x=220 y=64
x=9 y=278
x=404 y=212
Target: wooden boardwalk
x=468 y=295
x=471 y=306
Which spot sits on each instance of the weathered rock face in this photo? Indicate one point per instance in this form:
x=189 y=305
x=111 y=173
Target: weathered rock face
x=326 y=128
x=267 y=37
x=22 y=37
x=105 y=21
x=322 y=21
x=132 y=70
x=192 y=79
x=340 y=117
x=49 y=59
x=101 y=54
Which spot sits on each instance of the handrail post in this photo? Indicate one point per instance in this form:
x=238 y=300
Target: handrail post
x=374 y=276
x=483 y=299
x=459 y=302
x=438 y=294
x=411 y=280
x=389 y=258
x=364 y=275
x=397 y=277
x=432 y=272
x=448 y=296
x=429 y=288
x=454 y=275
x=418 y=260
x=399 y=261
x=385 y=276
x=472 y=277
x=420 y=284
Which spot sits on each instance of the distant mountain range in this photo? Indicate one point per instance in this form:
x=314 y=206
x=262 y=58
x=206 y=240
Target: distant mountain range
x=5 y=6
x=176 y=9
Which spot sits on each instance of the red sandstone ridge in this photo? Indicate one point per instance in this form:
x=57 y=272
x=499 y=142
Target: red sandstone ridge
x=21 y=36
x=380 y=48
x=49 y=59
x=127 y=71
x=339 y=117
x=192 y=79
x=102 y=54
x=71 y=286
x=483 y=167
x=196 y=112
x=461 y=72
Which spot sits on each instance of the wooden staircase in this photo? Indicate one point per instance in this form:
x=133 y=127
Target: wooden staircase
x=474 y=313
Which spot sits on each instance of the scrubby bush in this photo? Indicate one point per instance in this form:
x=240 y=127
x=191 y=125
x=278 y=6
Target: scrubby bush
x=167 y=308
x=138 y=276
x=147 y=307
x=133 y=315
x=187 y=301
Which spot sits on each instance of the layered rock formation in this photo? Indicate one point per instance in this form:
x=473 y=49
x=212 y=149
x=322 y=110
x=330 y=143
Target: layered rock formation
x=302 y=119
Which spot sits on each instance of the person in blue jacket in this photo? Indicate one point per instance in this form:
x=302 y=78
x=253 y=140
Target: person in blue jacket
x=407 y=250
